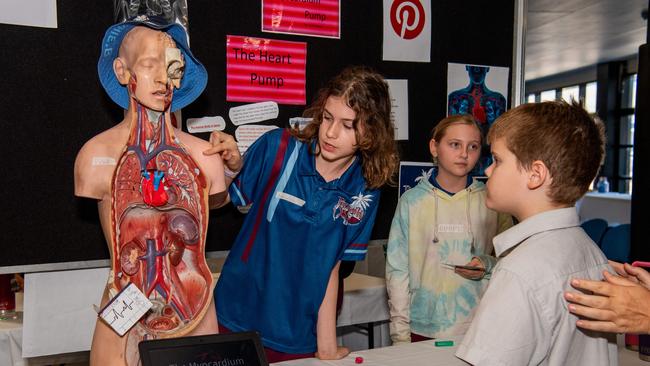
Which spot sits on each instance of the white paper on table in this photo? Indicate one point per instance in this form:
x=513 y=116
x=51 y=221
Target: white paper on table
x=35 y=13
x=61 y=303
x=399 y=111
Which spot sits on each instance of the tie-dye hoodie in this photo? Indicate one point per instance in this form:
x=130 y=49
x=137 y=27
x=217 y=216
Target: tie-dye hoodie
x=431 y=228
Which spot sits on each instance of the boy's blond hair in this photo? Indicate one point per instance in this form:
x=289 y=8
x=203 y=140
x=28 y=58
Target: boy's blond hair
x=564 y=136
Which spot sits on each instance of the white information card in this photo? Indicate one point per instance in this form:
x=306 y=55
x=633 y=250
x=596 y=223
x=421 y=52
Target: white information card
x=125 y=309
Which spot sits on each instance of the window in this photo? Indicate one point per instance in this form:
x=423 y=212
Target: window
x=590 y=96
x=620 y=119
x=628 y=98
x=530 y=98
x=547 y=95
x=585 y=93
x=571 y=93
x=626 y=133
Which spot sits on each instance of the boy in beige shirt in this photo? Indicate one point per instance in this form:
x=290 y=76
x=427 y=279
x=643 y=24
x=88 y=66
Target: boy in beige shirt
x=545 y=156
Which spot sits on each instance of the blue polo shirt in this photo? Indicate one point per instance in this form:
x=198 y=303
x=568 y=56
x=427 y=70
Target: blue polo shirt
x=297 y=228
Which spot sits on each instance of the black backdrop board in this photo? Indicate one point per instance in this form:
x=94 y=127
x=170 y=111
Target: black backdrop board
x=53 y=102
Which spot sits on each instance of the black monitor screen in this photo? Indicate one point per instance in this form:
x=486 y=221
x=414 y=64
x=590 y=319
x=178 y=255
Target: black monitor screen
x=242 y=352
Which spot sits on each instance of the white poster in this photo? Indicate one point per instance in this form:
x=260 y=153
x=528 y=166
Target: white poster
x=247 y=134
x=407 y=30
x=206 y=124
x=251 y=113
x=35 y=13
x=399 y=109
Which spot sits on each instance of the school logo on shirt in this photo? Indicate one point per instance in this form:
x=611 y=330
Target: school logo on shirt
x=352 y=213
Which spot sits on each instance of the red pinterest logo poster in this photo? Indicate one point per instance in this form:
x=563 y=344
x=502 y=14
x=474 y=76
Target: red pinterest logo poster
x=259 y=69
x=407 y=18
x=320 y=18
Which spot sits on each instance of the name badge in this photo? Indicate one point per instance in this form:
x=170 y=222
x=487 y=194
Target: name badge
x=290 y=198
x=451 y=228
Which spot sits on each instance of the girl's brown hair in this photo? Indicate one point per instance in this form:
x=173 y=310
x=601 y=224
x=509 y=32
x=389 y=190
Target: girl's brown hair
x=365 y=92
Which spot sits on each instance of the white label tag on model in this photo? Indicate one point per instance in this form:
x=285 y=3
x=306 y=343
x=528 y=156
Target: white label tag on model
x=125 y=309
x=103 y=160
x=206 y=124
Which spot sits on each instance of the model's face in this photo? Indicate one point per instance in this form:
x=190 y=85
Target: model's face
x=458 y=150
x=157 y=67
x=336 y=136
x=506 y=180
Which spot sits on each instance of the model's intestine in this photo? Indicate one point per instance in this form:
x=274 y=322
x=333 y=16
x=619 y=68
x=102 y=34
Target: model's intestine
x=159 y=217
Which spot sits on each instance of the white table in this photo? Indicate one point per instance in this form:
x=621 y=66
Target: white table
x=11 y=339
x=365 y=306
x=426 y=353
x=613 y=207
x=412 y=354
x=365 y=300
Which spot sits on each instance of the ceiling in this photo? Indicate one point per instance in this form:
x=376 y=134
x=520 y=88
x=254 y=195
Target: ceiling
x=565 y=35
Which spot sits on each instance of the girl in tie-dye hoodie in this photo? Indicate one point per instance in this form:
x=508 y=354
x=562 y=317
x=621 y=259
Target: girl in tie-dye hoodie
x=440 y=223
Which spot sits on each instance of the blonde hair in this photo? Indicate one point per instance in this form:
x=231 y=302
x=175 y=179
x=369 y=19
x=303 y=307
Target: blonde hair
x=365 y=92
x=564 y=136
x=438 y=132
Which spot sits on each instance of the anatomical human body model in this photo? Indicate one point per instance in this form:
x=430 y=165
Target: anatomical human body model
x=152 y=183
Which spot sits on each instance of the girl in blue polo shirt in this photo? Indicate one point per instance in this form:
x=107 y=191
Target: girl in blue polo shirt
x=441 y=222
x=313 y=198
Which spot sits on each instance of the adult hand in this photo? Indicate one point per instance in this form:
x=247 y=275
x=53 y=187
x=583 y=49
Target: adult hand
x=472 y=274
x=617 y=304
x=618 y=267
x=225 y=145
x=339 y=354
x=634 y=274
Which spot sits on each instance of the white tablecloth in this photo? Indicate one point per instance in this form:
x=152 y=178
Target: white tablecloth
x=11 y=339
x=426 y=353
x=412 y=354
x=364 y=302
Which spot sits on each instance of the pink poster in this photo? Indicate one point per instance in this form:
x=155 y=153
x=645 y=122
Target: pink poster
x=320 y=18
x=260 y=69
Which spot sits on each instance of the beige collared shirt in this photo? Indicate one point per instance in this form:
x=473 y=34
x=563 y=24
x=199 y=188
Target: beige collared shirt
x=523 y=318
